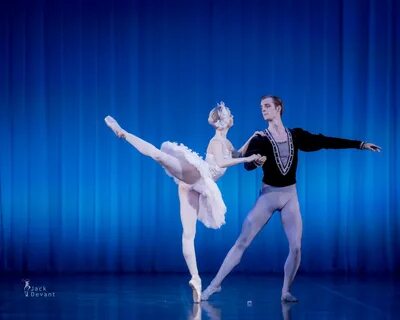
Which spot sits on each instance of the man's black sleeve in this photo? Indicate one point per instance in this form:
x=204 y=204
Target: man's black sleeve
x=255 y=147
x=307 y=141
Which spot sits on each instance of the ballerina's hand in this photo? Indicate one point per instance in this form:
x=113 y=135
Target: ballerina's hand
x=257 y=159
x=260 y=161
x=253 y=157
x=259 y=133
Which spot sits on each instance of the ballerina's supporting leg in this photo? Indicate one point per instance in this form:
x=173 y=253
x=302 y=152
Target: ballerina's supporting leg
x=189 y=204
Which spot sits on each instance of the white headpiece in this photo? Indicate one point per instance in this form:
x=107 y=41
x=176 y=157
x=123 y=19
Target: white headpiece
x=223 y=115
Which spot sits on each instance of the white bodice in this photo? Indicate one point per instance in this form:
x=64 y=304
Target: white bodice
x=216 y=171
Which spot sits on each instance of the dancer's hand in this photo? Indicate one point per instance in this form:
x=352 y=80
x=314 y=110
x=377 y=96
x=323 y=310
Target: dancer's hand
x=253 y=157
x=260 y=161
x=371 y=147
x=259 y=133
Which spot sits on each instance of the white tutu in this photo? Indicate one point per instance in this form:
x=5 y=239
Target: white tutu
x=212 y=208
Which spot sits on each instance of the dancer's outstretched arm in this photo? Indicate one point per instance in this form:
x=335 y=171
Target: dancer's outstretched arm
x=216 y=148
x=314 y=142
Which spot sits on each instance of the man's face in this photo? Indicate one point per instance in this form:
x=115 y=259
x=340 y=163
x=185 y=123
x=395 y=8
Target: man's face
x=269 y=110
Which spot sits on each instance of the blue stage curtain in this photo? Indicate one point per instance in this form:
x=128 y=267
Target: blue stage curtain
x=74 y=198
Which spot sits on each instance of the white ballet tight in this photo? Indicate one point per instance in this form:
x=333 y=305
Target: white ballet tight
x=178 y=167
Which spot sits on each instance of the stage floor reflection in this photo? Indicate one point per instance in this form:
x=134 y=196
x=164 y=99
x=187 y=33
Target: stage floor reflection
x=167 y=296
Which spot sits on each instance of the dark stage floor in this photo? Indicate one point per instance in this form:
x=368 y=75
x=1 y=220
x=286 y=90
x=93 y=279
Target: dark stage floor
x=169 y=297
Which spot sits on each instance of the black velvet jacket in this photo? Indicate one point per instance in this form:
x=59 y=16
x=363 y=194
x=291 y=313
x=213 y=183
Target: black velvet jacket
x=275 y=172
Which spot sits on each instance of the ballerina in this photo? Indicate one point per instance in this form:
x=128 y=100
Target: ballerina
x=199 y=196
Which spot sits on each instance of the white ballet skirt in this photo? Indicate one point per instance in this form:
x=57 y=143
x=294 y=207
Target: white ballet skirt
x=212 y=208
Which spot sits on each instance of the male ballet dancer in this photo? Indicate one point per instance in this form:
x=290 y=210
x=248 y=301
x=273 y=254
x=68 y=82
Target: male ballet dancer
x=280 y=145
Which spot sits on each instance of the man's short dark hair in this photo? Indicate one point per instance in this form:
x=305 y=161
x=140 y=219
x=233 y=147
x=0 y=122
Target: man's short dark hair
x=277 y=101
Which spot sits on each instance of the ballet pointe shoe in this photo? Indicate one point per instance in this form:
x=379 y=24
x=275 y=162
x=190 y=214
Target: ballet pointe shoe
x=288 y=297
x=195 y=284
x=210 y=290
x=115 y=127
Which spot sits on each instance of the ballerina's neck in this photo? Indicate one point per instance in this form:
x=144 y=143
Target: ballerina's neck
x=221 y=134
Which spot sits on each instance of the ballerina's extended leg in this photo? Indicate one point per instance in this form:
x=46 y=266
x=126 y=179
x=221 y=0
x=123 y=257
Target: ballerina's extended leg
x=177 y=167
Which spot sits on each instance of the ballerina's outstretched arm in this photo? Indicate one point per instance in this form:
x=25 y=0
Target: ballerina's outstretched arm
x=216 y=148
